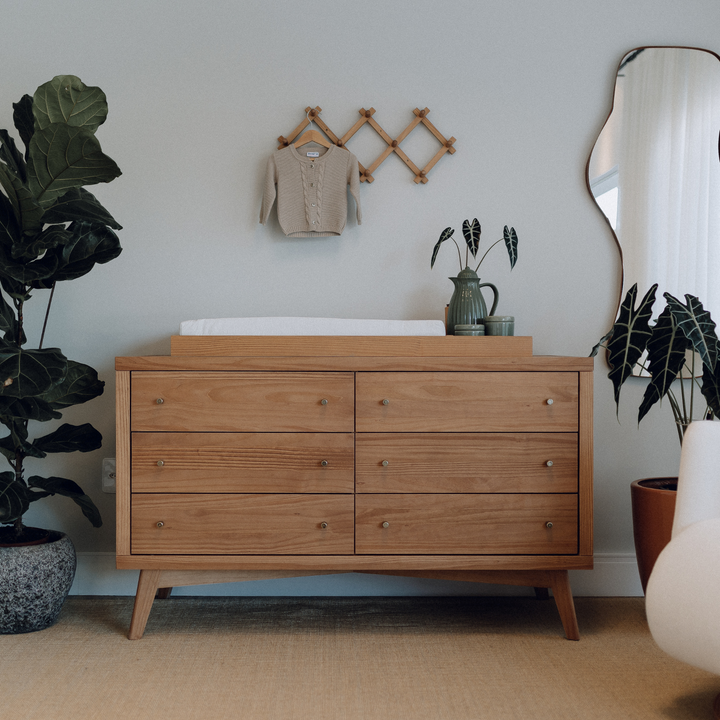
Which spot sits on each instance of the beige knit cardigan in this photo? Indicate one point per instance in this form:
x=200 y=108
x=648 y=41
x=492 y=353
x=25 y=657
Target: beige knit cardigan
x=311 y=192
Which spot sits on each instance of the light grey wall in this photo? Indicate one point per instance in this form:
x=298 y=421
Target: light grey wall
x=199 y=92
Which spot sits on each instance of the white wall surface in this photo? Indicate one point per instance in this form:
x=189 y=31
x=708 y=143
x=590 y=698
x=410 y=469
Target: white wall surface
x=198 y=94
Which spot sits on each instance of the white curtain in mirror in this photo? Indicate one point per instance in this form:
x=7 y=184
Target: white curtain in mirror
x=663 y=155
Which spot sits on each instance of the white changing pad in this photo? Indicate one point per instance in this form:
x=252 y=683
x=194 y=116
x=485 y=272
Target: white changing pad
x=310 y=326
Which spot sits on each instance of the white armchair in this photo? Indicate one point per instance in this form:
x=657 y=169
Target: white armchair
x=683 y=593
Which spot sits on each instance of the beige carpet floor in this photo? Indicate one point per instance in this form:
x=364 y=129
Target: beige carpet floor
x=355 y=658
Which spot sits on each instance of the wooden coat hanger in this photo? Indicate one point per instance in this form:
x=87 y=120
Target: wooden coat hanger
x=313 y=136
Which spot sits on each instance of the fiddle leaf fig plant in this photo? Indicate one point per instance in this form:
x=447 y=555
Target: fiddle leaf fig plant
x=679 y=328
x=51 y=229
x=471 y=233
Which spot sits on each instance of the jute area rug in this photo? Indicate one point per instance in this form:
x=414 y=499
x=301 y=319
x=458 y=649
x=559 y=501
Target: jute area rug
x=356 y=658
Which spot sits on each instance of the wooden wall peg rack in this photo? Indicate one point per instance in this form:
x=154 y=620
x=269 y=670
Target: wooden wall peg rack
x=366 y=116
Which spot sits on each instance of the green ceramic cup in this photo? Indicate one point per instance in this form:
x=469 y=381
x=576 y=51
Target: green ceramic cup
x=499 y=325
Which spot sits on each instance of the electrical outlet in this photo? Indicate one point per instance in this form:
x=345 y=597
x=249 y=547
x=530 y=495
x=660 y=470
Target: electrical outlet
x=108 y=475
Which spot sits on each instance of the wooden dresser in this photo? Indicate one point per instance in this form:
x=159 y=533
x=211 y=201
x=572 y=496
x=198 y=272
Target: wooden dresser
x=457 y=458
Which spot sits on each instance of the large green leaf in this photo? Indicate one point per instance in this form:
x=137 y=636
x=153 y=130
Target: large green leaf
x=29 y=248
x=697 y=326
x=79 y=204
x=13 y=288
x=89 y=244
x=471 y=233
x=28 y=213
x=12 y=156
x=66 y=99
x=711 y=388
x=25 y=273
x=80 y=384
x=24 y=121
x=30 y=373
x=67 y=488
x=27 y=408
x=630 y=335
x=9 y=228
x=70 y=438
x=444 y=235
x=666 y=356
x=9 y=322
x=17 y=442
x=14 y=501
x=511 y=243
x=64 y=157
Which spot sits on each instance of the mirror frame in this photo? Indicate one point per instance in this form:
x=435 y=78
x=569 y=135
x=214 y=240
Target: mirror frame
x=587 y=165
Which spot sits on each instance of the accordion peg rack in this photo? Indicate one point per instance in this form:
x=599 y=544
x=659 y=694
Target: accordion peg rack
x=393 y=144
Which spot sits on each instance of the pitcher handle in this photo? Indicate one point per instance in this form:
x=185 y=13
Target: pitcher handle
x=496 y=295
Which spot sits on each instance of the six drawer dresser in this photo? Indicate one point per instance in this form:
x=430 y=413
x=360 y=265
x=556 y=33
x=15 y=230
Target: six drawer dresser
x=457 y=458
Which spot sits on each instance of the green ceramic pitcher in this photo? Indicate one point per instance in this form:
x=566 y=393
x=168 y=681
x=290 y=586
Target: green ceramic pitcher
x=467 y=305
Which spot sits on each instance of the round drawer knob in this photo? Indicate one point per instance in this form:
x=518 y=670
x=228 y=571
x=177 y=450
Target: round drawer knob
x=324 y=463
x=549 y=463
x=160 y=463
x=549 y=401
x=323 y=401
x=386 y=524
x=160 y=524
x=386 y=401
x=159 y=401
x=385 y=463
x=548 y=525
x=323 y=525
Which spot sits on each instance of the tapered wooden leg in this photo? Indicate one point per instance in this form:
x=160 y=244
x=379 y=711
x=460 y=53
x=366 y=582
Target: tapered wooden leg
x=565 y=604
x=541 y=593
x=147 y=587
x=163 y=593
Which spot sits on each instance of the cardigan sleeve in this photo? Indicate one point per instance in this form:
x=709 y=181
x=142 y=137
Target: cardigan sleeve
x=354 y=182
x=271 y=178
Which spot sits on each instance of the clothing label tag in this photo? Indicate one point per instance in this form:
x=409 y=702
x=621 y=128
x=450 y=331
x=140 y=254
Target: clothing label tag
x=313 y=154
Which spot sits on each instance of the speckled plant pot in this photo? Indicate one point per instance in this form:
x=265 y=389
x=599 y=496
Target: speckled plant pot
x=34 y=582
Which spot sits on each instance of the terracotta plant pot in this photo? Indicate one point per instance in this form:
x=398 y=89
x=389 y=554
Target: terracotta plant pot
x=653 y=510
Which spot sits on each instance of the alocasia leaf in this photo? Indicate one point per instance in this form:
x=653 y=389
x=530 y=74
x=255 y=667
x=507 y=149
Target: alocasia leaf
x=471 y=233
x=511 y=243
x=697 y=326
x=630 y=335
x=444 y=235
x=666 y=356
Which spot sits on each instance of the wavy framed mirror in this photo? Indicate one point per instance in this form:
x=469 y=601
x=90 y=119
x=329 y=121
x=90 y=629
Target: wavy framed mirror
x=654 y=172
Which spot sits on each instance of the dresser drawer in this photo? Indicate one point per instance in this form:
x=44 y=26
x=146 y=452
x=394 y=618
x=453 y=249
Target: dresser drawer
x=242 y=462
x=466 y=524
x=242 y=524
x=467 y=402
x=242 y=402
x=467 y=462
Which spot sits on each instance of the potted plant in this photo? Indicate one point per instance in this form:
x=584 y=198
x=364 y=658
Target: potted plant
x=467 y=305
x=51 y=230
x=678 y=329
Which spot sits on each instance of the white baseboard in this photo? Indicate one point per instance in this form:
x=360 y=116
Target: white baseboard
x=614 y=575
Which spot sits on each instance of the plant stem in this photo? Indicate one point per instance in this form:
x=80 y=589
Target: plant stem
x=486 y=252
x=459 y=255
x=47 y=314
x=676 y=415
